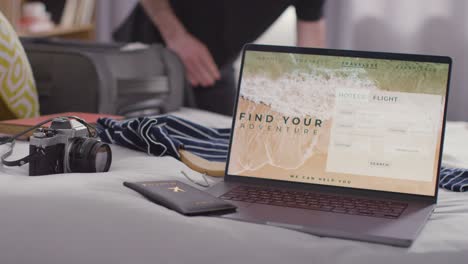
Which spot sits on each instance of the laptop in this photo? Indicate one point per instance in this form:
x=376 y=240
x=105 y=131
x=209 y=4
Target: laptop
x=337 y=143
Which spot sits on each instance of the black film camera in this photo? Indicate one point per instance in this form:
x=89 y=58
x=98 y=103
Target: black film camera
x=67 y=146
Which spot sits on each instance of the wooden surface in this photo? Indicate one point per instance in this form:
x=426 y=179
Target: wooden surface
x=11 y=10
x=79 y=32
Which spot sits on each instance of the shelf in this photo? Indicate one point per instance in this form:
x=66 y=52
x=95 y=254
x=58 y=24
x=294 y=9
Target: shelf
x=61 y=32
x=12 y=11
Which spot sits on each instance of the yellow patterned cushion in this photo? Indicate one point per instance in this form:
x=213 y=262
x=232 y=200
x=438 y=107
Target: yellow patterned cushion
x=18 y=94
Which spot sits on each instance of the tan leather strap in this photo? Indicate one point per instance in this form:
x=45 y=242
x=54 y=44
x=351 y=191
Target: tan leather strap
x=196 y=163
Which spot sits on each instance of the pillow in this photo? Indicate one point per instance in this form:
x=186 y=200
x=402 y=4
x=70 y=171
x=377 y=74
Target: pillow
x=18 y=94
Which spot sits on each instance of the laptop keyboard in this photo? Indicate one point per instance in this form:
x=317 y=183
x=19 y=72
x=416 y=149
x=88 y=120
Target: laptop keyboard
x=316 y=201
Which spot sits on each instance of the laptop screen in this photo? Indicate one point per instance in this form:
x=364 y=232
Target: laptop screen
x=344 y=121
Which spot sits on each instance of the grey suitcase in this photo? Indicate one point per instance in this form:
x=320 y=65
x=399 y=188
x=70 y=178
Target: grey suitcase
x=106 y=78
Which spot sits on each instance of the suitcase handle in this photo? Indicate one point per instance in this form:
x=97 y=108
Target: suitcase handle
x=149 y=85
x=149 y=107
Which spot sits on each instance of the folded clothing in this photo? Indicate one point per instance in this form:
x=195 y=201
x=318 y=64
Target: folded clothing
x=454 y=179
x=167 y=134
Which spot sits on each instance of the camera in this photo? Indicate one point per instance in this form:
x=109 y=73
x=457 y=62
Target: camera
x=67 y=146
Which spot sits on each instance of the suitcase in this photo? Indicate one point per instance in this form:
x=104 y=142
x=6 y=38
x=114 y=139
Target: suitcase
x=130 y=80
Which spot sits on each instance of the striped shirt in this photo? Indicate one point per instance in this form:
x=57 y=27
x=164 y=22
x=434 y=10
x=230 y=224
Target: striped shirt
x=166 y=134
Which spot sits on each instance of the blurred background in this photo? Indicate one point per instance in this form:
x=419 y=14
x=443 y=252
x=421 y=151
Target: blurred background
x=417 y=26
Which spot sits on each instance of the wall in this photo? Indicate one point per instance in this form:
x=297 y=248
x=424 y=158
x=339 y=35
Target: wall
x=418 y=26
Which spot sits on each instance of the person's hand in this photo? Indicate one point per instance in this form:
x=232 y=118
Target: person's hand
x=199 y=64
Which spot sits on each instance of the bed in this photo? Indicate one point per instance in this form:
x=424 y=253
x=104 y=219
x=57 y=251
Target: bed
x=92 y=218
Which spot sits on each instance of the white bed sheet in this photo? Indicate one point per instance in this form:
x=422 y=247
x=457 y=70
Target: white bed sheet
x=92 y=218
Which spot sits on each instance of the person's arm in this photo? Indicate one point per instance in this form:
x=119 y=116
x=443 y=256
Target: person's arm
x=311 y=33
x=310 y=23
x=199 y=64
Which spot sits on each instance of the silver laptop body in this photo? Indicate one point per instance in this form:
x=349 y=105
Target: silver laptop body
x=337 y=143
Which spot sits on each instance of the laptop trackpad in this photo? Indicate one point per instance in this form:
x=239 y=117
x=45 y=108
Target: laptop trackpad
x=294 y=217
x=240 y=204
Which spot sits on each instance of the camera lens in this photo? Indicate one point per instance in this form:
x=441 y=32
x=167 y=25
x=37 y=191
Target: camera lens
x=102 y=158
x=89 y=155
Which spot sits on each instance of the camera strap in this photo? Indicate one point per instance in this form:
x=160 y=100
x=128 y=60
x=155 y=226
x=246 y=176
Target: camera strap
x=18 y=163
x=14 y=163
x=25 y=160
